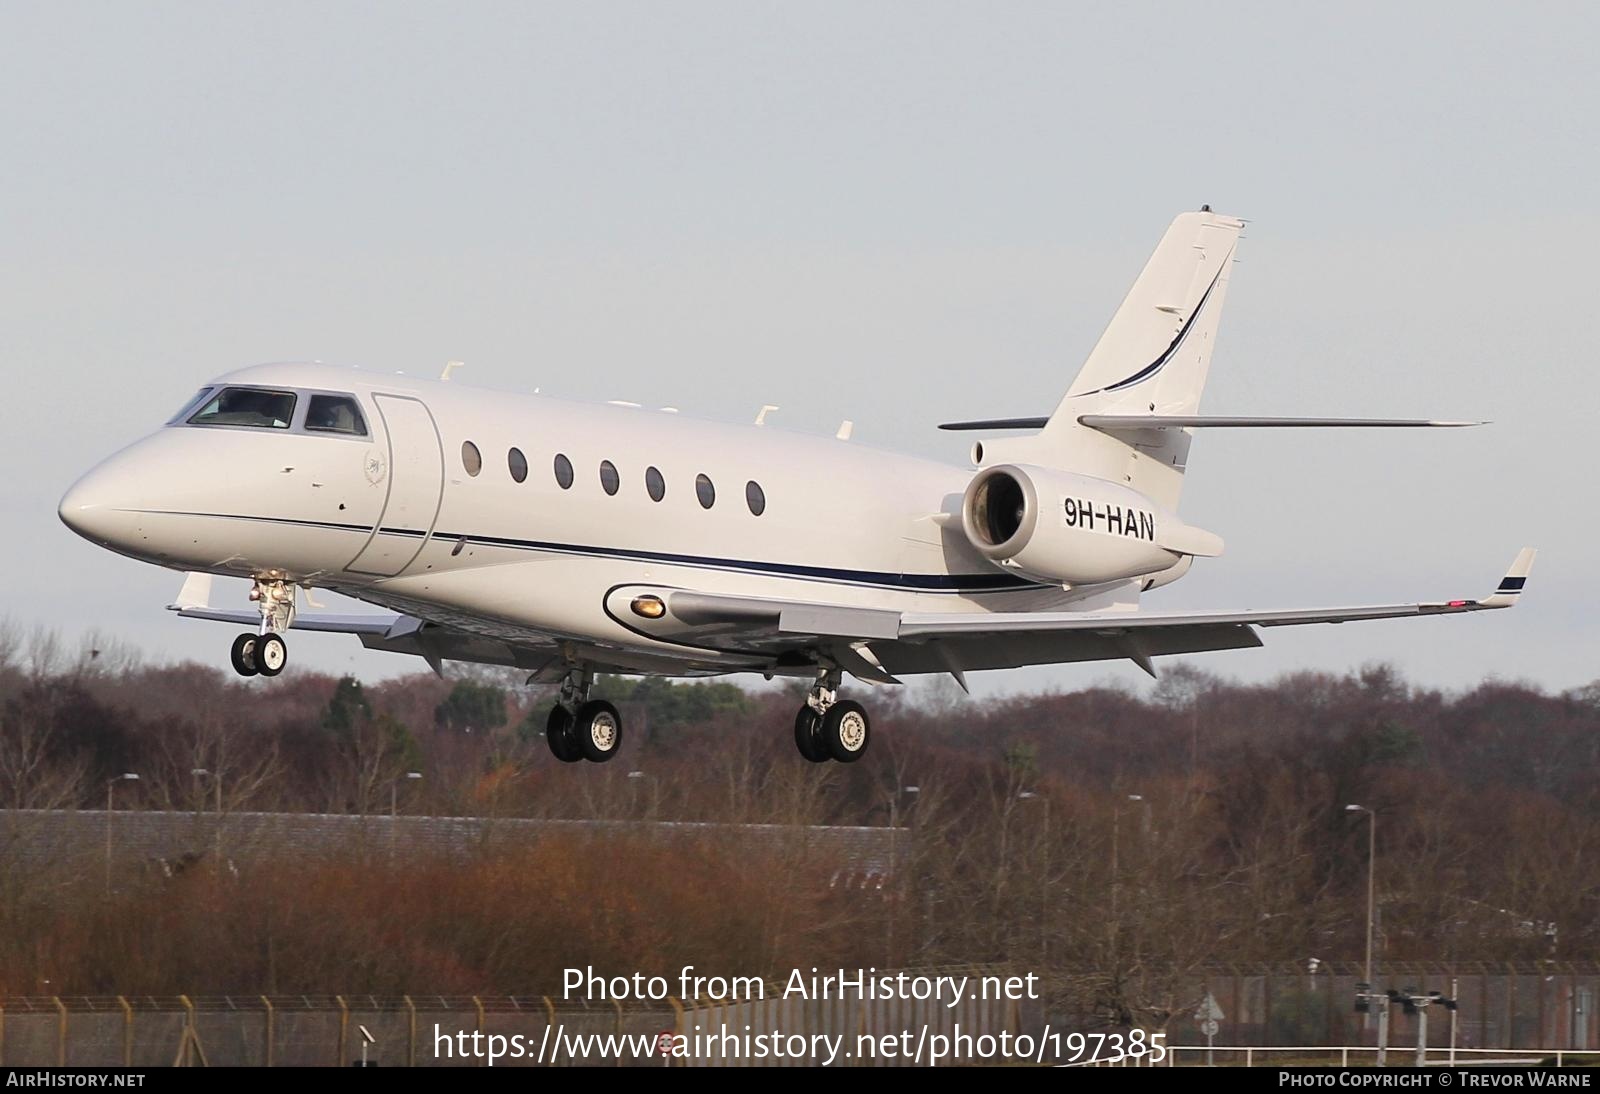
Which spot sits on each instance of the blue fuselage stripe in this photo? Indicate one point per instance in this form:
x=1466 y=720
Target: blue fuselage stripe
x=936 y=583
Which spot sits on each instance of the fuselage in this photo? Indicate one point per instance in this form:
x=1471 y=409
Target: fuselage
x=513 y=516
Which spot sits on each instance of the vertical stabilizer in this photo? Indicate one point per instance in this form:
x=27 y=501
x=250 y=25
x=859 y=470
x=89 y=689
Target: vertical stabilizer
x=1152 y=359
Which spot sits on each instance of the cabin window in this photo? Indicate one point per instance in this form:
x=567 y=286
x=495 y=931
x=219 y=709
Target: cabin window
x=471 y=458
x=335 y=414
x=609 y=479
x=755 y=498
x=518 y=464
x=250 y=407
x=705 y=491
x=655 y=484
x=563 y=472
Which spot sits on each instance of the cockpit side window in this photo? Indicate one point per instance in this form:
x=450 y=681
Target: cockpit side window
x=335 y=414
x=251 y=407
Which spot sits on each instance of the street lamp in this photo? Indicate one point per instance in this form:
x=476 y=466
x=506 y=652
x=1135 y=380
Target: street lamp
x=111 y=785
x=216 y=782
x=894 y=860
x=1044 y=879
x=894 y=805
x=394 y=805
x=1116 y=835
x=894 y=825
x=1372 y=861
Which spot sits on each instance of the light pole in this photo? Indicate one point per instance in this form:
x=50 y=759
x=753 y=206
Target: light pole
x=111 y=785
x=216 y=783
x=894 y=861
x=1372 y=861
x=634 y=779
x=394 y=806
x=1116 y=872
x=1044 y=879
x=1116 y=832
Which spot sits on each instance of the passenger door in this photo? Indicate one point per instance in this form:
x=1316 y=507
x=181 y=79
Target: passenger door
x=415 y=488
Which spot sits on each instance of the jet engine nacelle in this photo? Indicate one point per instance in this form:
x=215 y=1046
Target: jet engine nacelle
x=1072 y=529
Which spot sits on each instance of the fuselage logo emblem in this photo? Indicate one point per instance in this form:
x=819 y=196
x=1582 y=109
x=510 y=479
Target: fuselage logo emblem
x=375 y=467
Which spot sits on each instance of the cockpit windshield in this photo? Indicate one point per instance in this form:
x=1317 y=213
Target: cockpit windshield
x=251 y=407
x=193 y=403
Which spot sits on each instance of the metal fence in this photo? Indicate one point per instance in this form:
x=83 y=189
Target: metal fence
x=170 y=841
x=439 y=1032
x=1528 y=1009
x=1539 y=1006
x=300 y=1031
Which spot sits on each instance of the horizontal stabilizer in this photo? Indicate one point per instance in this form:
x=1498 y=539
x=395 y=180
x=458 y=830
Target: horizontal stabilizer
x=997 y=423
x=1113 y=422
x=1118 y=422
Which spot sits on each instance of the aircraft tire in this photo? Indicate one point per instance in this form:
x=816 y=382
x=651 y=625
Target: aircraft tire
x=846 y=731
x=558 y=733
x=243 y=655
x=808 y=735
x=598 y=729
x=272 y=654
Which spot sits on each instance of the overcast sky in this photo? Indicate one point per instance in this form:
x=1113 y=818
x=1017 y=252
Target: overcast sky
x=895 y=213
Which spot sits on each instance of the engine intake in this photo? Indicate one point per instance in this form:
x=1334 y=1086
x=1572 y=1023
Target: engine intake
x=1072 y=529
x=998 y=507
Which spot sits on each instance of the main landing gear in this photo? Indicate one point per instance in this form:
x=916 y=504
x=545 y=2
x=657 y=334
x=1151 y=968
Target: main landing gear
x=265 y=653
x=830 y=728
x=581 y=728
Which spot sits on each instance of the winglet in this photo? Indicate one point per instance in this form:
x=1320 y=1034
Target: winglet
x=196 y=593
x=1511 y=585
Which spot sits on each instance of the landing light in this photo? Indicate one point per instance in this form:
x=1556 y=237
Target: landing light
x=651 y=607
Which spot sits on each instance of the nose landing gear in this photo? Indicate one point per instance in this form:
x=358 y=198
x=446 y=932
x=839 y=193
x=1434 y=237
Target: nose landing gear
x=580 y=728
x=265 y=653
x=259 y=654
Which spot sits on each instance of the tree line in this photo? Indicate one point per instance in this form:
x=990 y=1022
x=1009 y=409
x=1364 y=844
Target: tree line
x=1114 y=842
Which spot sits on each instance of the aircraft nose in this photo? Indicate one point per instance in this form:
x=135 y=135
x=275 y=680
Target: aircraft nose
x=94 y=507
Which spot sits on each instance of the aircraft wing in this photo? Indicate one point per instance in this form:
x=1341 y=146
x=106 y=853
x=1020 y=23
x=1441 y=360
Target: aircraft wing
x=303 y=621
x=194 y=602
x=872 y=644
x=876 y=644
x=390 y=632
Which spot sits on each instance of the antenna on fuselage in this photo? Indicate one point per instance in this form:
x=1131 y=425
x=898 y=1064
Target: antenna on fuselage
x=846 y=428
x=761 y=416
x=449 y=367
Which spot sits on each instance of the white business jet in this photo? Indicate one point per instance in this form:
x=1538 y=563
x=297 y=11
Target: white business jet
x=569 y=539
